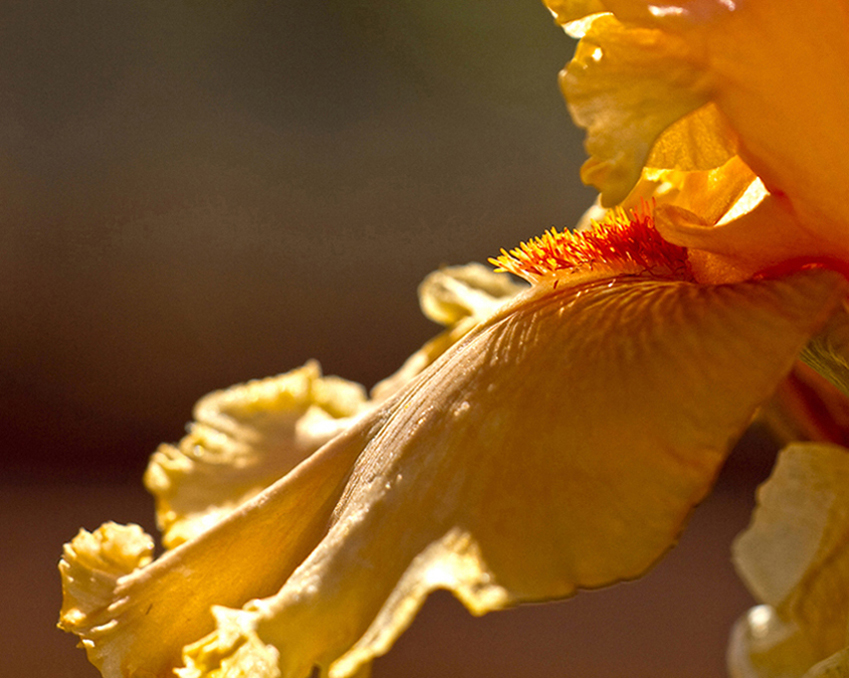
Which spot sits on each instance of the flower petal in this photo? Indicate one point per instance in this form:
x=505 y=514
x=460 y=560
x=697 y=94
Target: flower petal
x=242 y=440
x=795 y=557
x=138 y=625
x=458 y=297
x=766 y=236
x=711 y=194
x=773 y=74
x=836 y=666
x=781 y=71
x=626 y=85
x=567 y=11
x=505 y=473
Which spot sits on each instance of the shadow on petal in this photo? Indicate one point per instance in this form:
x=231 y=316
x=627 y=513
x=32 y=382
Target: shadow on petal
x=560 y=445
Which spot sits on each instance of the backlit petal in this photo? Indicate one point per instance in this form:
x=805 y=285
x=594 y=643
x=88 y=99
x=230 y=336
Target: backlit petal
x=625 y=86
x=136 y=621
x=766 y=236
x=711 y=194
x=242 y=440
x=795 y=558
x=505 y=475
x=567 y=11
x=775 y=74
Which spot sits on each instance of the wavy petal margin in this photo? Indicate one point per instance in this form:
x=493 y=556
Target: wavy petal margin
x=795 y=558
x=686 y=85
x=242 y=440
x=505 y=474
x=246 y=437
x=559 y=445
x=625 y=86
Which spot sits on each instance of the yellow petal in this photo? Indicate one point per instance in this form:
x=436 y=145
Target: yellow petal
x=92 y=564
x=794 y=557
x=781 y=69
x=453 y=293
x=560 y=445
x=766 y=236
x=567 y=11
x=836 y=666
x=763 y=645
x=458 y=297
x=711 y=194
x=138 y=624
x=626 y=85
x=701 y=140
x=775 y=74
x=242 y=440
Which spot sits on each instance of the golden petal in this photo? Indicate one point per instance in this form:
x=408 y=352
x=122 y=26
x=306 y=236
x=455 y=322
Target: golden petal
x=91 y=565
x=836 y=666
x=625 y=86
x=711 y=194
x=453 y=293
x=560 y=445
x=794 y=555
x=139 y=625
x=242 y=440
x=791 y=123
x=652 y=67
x=456 y=296
x=568 y=11
x=766 y=236
x=701 y=140
x=763 y=645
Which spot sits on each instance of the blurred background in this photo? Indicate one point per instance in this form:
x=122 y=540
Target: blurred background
x=196 y=193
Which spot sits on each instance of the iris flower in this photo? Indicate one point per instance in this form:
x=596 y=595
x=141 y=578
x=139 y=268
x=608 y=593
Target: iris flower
x=556 y=435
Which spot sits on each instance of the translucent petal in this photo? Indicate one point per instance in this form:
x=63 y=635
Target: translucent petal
x=781 y=69
x=711 y=194
x=138 y=624
x=625 y=86
x=701 y=140
x=568 y=11
x=775 y=74
x=559 y=445
x=451 y=294
x=795 y=554
x=767 y=236
x=243 y=439
x=763 y=645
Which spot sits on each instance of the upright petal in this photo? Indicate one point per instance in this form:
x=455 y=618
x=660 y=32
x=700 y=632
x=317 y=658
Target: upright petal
x=686 y=83
x=626 y=85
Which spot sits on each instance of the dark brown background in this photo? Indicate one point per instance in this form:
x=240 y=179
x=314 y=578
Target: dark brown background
x=198 y=193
